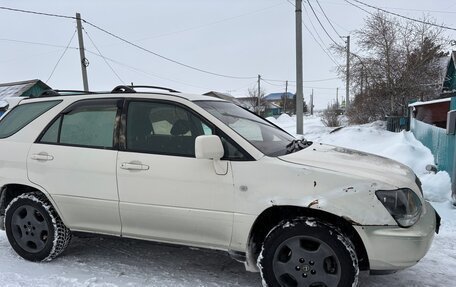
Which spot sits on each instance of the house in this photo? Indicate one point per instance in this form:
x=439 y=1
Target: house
x=20 y=89
x=281 y=102
x=278 y=97
x=434 y=123
x=449 y=82
x=267 y=109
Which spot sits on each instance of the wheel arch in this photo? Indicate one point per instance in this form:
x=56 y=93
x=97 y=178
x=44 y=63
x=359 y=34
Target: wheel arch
x=10 y=191
x=272 y=216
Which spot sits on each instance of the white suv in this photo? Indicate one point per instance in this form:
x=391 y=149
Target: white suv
x=200 y=171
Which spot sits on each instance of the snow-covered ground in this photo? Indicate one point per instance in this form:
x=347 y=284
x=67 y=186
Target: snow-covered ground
x=105 y=261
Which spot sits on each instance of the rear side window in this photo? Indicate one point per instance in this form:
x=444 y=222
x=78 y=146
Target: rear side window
x=89 y=125
x=22 y=115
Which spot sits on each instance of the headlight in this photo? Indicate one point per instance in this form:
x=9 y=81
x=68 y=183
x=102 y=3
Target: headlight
x=403 y=204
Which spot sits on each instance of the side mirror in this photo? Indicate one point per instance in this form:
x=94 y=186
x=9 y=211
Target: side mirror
x=209 y=147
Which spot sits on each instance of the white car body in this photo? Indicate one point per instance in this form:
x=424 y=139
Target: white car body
x=214 y=204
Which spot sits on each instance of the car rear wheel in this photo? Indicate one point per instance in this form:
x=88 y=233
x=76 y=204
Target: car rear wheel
x=34 y=229
x=310 y=253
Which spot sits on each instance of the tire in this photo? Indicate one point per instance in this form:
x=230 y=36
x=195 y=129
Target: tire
x=308 y=252
x=34 y=229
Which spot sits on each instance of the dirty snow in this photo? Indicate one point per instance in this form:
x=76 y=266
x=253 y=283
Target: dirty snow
x=110 y=262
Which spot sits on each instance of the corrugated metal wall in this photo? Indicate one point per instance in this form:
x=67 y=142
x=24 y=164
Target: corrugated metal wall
x=442 y=146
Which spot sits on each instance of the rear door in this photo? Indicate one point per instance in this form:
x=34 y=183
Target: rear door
x=74 y=159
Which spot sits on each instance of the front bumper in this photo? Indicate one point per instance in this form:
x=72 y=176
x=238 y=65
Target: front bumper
x=391 y=248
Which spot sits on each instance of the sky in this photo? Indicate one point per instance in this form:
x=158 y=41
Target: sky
x=235 y=38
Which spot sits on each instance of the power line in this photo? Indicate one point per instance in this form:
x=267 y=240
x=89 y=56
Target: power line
x=272 y=84
x=164 y=57
x=318 y=80
x=148 y=74
x=361 y=8
x=211 y=23
x=37 y=13
x=323 y=80
x=399 y=15
x=420 y=10
x=321 y=24
x=131 y=67
x=138 y=46
x=327 y=18
x=130 y=43
x=107 y=58
x=36 y=43
x=328 y=53
x=104 y=58
x=61 y=56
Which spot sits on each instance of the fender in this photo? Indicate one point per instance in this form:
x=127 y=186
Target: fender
x=21 y=187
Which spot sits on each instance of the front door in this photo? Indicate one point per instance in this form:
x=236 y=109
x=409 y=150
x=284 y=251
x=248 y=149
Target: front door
x=75 y=162
x=166 y=193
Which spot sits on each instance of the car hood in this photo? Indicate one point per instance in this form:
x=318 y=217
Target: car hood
x=353 y=162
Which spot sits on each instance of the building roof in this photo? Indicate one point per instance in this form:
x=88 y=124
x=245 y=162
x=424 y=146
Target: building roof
x=17 y=89
x=278 y=96
x=223 y=96
x=449 y=80
x=430 y=102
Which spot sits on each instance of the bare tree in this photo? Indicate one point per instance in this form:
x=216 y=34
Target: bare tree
x=256 y=100
x=399 y=61
x=330 y=117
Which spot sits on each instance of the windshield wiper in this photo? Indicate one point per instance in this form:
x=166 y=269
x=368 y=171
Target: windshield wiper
x=297 y=145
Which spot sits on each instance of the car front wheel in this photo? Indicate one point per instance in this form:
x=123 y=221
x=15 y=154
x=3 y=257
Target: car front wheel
x=34 y=229
x=308 y=252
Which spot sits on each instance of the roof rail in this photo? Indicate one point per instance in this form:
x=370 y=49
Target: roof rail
x=72 y=92
x=123 y=89
x=57 y=93
x=131 y=89
x=46 y=93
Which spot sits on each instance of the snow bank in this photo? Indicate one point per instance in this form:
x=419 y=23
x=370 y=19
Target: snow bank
x=436 y=186
x=374 y=138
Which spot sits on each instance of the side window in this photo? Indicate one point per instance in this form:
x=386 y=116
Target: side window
x=231 y=151
x=90 y=125
x=22 y=115
x=163 y=128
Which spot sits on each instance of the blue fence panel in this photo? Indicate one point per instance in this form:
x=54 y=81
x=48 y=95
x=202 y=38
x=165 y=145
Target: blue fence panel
x=441 y=145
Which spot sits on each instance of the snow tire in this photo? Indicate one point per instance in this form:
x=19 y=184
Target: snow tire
x=308 y=252
x=34 y=229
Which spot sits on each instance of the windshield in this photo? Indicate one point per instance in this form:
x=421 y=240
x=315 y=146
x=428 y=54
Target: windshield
x=266 y=137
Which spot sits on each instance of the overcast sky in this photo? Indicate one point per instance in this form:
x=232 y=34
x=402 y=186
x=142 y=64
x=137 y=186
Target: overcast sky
x=232 y=37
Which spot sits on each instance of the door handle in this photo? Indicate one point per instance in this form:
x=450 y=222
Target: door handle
x=134 y=166
x=42 y=157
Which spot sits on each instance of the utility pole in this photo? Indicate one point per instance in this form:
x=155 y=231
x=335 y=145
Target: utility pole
x=258 y=95
x=299 y=73
x=84 y=62
x=337 y=98
x=286 y=97
x=347 y=88
x=312 y=102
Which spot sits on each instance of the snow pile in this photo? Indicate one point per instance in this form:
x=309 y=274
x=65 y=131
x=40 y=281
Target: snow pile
x=436 y=186
x=284 y=121
x=374 y=138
